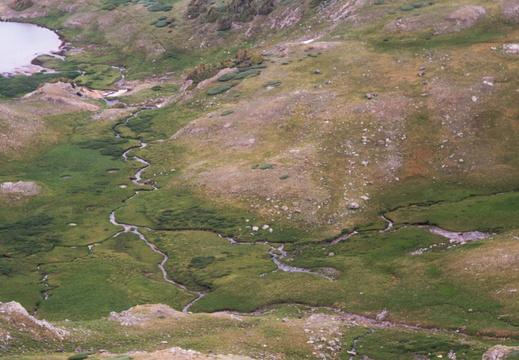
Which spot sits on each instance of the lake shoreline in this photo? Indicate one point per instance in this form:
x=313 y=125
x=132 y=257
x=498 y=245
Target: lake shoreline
x=32 y=67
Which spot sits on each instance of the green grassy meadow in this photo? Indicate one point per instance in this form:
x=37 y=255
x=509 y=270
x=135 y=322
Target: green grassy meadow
x=272 y=161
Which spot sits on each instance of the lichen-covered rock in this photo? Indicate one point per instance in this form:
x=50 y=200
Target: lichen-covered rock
x=141 y=314
x=13 y=307
x=511 y=49
x=499 y=352
x=511 y=9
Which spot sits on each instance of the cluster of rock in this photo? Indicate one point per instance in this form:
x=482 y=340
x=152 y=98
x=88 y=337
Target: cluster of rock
x=15 y=308
x=141 y=314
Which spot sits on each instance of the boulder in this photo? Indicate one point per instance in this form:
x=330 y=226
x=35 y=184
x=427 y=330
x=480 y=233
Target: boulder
x=382 y=316
x=511 y=9
x=499 y=352
x=511 y=49
x=353 y=205
x=13 y=307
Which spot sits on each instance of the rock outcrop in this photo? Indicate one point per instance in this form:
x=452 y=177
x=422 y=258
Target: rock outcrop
x=143 y=314
x=14 y=308
x=499 y=352
x=511 y=9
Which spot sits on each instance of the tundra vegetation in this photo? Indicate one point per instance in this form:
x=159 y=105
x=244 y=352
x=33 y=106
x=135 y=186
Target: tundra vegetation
x=314 y=170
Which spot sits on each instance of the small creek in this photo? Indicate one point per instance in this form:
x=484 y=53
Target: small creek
x=45 y=293
x=277 y=253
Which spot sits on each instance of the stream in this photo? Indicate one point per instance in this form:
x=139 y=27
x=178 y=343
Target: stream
x=45 y=293
x=277 y=253
x=353 y=350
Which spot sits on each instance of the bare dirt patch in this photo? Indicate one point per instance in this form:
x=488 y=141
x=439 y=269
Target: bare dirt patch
x=183 y=354
x=25 y=188
x=462 y=18
x=141 y=315
x=66 y=95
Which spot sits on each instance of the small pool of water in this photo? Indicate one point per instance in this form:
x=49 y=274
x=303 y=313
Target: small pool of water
x=20 y=43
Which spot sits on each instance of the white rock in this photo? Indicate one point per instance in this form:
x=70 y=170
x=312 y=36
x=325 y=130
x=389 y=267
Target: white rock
x=353 y=205
x=511 y=48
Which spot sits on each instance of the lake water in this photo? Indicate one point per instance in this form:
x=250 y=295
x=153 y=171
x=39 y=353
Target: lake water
x=21 y=43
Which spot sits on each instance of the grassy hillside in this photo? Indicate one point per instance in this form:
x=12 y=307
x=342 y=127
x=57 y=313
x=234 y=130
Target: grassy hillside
x=336 y=155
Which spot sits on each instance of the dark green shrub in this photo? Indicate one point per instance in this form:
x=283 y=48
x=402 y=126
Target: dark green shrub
x=156 y=88
x=266 y=166
x=407 y=8
x=78 y=357
x=170 y=55
x=272 y=83
x=112 y=4
x=252 y=67
x=228 y=76
x=283 y=177
x=201 y=262
x=160 y=7
x=5 y=269
x=247 y=74
x=110 y=146
x=219 y=89
x=163 y=17
x=227 y=112
x=255 y=166
x=417 y=5
x=316 y=3
x=379 y=2
x=141 y=123
x=161 y=23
